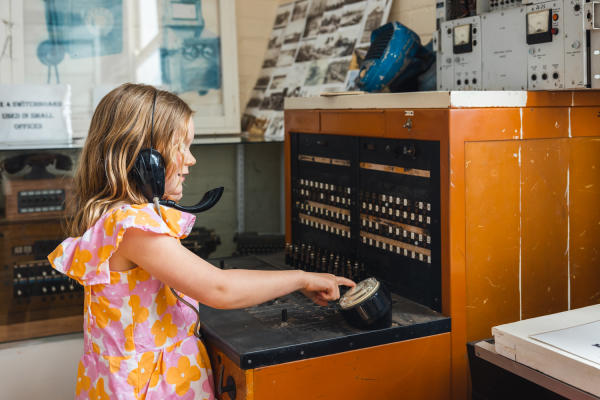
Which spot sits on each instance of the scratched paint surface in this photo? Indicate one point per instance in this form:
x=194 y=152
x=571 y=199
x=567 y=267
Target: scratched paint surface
x=416 y=369
x=532 y=229
x=492 y=235
x=544 y=251
x=585 y=222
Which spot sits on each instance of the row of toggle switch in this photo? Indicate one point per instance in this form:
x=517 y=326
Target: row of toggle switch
x=419 y=238
x=325 y=212
x=325 y=198
x=324 y=186
x=398 y=248
x=325 y=193
x=38 y=278
x=324 y=225
x=314 y=259
x=400 y=202
x=383 y=201
x=396 y=214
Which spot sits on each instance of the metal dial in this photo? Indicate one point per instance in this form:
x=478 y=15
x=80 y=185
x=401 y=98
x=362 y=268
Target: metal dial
x=462 y=34
x=537 y=22
x=362 y=291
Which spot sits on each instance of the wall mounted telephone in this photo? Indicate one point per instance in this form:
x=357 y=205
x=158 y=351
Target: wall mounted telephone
x=38 y=163
x=38 y=193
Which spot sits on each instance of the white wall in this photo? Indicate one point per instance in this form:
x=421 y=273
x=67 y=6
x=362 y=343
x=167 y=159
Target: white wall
x=254 y=22
x=418 y=15
x=43 y=369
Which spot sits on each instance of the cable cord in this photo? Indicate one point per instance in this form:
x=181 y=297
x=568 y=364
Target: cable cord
x=197 y=326
x=157 y=206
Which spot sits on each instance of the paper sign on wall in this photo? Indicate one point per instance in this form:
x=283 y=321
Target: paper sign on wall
x=35 y=113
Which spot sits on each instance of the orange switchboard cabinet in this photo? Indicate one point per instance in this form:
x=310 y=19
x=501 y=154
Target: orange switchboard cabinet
x=513 y=200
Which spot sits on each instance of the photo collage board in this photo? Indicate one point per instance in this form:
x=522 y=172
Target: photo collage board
x=310 y=51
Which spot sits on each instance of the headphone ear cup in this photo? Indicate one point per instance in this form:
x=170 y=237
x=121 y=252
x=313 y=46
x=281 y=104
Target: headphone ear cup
x=149 y=174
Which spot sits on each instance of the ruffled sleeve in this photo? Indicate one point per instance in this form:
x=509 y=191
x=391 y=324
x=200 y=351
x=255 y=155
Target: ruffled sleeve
x=85 y=258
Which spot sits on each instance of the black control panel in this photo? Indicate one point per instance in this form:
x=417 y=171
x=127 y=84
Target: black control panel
x=38 y=278
x=368 y=207
x=34 y=201
x=30 y=289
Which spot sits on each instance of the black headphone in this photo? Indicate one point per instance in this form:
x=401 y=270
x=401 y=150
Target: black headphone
x=149 y=175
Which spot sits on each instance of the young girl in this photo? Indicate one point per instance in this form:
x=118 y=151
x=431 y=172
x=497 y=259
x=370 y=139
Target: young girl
x=138 y=338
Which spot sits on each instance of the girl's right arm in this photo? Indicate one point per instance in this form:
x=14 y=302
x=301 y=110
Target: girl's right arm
x=169 y=261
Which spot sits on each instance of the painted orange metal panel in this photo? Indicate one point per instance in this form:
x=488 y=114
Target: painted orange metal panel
x=584 y=199
x=223 y=368
x=413 y=369
x=585 y=121
x=302 y=121
x=544 y=277
x=355 y=122
x=485 y=124
x=586 y=98
x=549 y=99
x=492 y=177
x=425 y=124
x=460 y=126
x=548 y=122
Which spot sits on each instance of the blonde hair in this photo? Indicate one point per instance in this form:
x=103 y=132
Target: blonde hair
x=119 y=129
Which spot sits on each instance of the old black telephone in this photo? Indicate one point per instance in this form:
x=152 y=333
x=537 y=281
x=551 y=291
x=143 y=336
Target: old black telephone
x=38 y=163
x=31 y=190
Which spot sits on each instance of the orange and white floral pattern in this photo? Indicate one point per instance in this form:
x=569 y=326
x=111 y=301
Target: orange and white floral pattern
x=138 y=339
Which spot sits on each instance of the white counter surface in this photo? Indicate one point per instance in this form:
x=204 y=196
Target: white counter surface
x=458 y=99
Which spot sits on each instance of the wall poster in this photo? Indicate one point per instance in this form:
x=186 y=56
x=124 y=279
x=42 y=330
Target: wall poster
x=185 y=46
x=309 y=52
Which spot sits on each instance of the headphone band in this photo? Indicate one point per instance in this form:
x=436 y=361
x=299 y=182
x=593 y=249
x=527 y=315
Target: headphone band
x=152 y=120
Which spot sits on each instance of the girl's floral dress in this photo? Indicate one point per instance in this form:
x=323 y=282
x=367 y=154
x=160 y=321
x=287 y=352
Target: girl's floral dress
x=138 y=339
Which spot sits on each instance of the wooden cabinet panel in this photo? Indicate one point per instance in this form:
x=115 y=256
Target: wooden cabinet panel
x=420 y=124
x=544 y=254
x=492 y=176
x=413 y=369
x=585 y=121
x=545 y=122
x=485 y=124
x=302 y=121
x=365 y=123
x=584 y=198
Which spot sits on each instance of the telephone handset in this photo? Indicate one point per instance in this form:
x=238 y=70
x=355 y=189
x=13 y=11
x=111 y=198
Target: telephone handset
x=38 y=163
x=149 y=174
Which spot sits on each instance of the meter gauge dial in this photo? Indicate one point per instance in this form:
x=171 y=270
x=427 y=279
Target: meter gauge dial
x=462 y=34
x=462 y=39
x=539 y=24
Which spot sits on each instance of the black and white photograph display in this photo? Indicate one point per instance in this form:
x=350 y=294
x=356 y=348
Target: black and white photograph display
x=309 y=52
